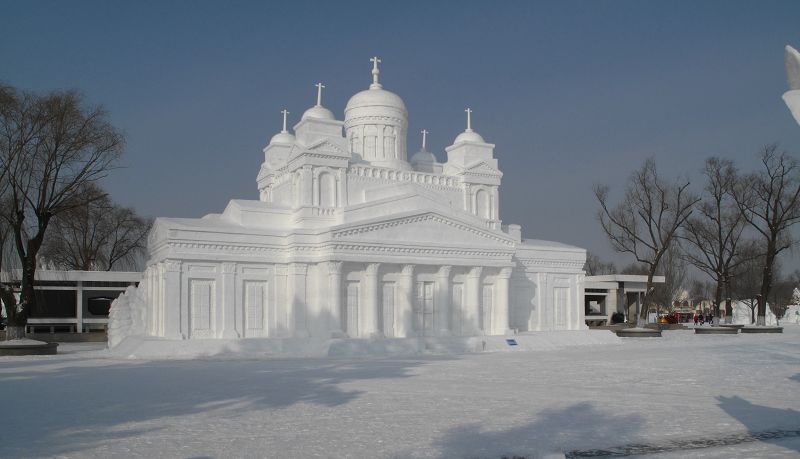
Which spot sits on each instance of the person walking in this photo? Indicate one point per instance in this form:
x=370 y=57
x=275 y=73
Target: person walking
x=696 y=318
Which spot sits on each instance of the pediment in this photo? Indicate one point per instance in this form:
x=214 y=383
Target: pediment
x=483 y=169
x=326 y=147
x=429 y=228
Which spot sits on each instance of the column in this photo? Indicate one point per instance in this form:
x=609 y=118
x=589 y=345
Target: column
x=281 y=303
x=472 y=303
x=580 y=322
x=501 y=306
x=172 y=301
x=79 y=307
x=404 y=309
x=335 y=298
x=369 y=312
x=229 y=301
x=296 y=293
x=443 y=303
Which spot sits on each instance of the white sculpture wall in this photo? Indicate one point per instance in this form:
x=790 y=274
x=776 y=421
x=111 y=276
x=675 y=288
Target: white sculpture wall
x=350 y=242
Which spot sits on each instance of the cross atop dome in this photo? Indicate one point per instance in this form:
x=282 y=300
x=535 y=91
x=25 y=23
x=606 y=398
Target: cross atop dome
x=319 y=93
x=375 y=72
x=469 y=119
x=285 y=112
x=424 y=138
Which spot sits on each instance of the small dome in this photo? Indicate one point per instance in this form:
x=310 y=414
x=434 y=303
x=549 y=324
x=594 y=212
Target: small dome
x=375 y=97
x=423 y=156
x=318 y=112
x=282 y=137
x=469 y=136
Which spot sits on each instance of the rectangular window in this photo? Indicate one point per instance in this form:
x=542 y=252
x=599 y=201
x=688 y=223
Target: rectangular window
x=560 y=302
x=255 y=303
x=201 y=303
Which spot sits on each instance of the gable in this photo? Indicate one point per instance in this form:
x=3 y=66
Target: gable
x=483 y=169
x=425 y=229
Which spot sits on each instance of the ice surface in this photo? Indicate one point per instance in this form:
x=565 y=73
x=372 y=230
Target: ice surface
x=682 y=387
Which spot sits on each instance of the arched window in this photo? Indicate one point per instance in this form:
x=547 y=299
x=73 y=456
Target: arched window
x=327 y=190
x=482 y=204
x=388 y=143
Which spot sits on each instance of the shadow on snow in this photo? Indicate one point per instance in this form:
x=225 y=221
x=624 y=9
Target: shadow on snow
x=72 y=406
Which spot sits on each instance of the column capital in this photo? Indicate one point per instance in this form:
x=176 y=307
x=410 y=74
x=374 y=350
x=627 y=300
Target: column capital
x=372 y=269
x=334 y=267
x=298 y=269
x=173 y=266
x=444 y=271
x=228 y=268
x=407 y=270
x=476 y=271
x=281 y=270
x=505 y=273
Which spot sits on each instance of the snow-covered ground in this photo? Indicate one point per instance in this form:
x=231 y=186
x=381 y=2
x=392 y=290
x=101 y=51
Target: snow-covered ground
x=739 y=393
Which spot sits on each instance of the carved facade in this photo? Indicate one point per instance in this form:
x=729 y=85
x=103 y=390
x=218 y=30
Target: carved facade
x=348 y=239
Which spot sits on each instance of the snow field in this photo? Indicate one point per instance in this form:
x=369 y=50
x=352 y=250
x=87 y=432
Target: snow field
x=88 y=403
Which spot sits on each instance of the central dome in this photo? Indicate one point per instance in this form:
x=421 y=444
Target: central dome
x=376 y=125
x=377 y=97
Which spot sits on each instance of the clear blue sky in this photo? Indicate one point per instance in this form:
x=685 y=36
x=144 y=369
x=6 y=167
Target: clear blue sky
x=572 y=93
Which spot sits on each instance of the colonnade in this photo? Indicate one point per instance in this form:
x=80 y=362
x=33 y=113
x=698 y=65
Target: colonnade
x=406 y=280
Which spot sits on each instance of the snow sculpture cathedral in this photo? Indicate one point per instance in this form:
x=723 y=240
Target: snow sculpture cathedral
x=350 y=239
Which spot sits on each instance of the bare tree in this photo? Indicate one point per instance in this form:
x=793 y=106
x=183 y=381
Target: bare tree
x=674 y=271
x=595 y=266
x=714 y=233
x=50 y=146
x=746 y=281
x=645 y=223
x=96 y=235
x=782 y=293
x=770 y=203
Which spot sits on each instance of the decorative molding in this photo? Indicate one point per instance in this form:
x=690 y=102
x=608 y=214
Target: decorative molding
x=444 y=271
x=476 y=271
x=228 y=268
x=385 y=249
x=298 y=269
x=550 y=263
x=407 y=270
x=435 y=181
x=421 y=218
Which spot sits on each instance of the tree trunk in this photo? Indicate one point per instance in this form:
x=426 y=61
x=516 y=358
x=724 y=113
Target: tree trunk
x=15 y=332
x=766 y=283
x=717 y=302
x=728 y=305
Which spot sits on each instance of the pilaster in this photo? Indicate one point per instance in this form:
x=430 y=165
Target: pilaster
x=405 y=302
x=443 y=302
x=296 y=293
x=176 y=312
x=335 y=298
x=369 y=314
x=472 y=306
x=229 y=325
x=501 y=309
